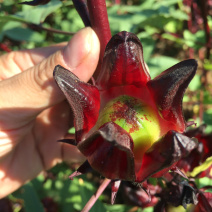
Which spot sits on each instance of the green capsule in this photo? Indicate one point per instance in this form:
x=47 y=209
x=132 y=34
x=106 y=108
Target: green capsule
x=137 y=118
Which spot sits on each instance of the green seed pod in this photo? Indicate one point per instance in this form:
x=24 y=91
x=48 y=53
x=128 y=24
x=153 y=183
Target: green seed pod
x=137 y=118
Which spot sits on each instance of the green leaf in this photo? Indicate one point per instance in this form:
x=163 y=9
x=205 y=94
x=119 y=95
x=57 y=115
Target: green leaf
x=32 y=202
x=16 y=31
x=178 y=14
x=173 y=38
x=6 y=18
x=38 y=14
x=117 y=208
x=195 y=40
x=148 y=45
x=195 y=83
x=205 y=165
x=166 y=3
x=160 y=63
x=207 y=65
x=71 y=130
x=202 y=182
x=173 y=26
x=207 y=118
x=123 y=208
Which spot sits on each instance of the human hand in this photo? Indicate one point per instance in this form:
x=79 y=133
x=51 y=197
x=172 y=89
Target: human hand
x=33 y=113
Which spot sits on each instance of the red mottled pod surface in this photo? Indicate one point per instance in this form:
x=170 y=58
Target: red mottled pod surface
x=129 y=126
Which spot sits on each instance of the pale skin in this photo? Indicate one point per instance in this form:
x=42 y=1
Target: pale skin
x=33 y=110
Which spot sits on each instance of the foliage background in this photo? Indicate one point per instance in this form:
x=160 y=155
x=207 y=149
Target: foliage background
x=164 y=28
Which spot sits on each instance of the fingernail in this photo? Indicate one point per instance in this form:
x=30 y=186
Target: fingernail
x=79 y=47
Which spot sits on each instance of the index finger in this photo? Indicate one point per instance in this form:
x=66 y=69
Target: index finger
x=18 y=61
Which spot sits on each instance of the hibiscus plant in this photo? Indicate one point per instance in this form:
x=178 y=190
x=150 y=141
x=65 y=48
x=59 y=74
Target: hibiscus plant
x=131 y=128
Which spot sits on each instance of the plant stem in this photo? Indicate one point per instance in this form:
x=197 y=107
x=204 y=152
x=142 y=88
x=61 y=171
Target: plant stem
x=99 y=22
x=204 y=11
x=94 y=198
x=52 y=30
x=82 y=9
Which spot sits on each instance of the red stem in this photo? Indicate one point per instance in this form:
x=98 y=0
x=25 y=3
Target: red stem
x=99 y=22
x=204 y=11
x=93 y=199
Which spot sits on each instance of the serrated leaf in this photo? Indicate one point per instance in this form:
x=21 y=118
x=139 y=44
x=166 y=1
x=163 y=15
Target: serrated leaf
x=197 y=170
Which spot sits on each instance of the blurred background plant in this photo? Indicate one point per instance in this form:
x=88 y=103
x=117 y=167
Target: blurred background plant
x=170 y=31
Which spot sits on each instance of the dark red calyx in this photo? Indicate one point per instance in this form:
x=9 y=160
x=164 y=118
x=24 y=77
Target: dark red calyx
x=168 y=89
x=83 y=98
x=181 y=194
x=164 y=154
x=109 y=152
x=123 y=62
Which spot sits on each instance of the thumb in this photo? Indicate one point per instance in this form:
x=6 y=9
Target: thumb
x=36 y=89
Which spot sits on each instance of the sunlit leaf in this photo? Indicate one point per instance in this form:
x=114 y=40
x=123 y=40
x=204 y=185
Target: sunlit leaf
x=197 y=170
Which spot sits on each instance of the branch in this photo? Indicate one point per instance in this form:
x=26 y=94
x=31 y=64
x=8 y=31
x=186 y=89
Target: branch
x=52 y=30
x=94 y=198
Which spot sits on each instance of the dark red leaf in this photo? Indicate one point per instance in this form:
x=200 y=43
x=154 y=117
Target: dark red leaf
x=136 y=195
x=179 y=193
x=192 y=160
x=123 y=62
x=83 y=98
x=109 y=151
x=168 y=89
x=164 y=154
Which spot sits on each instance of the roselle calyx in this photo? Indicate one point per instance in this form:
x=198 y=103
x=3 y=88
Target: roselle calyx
x=127 y=125
x=134 y=116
